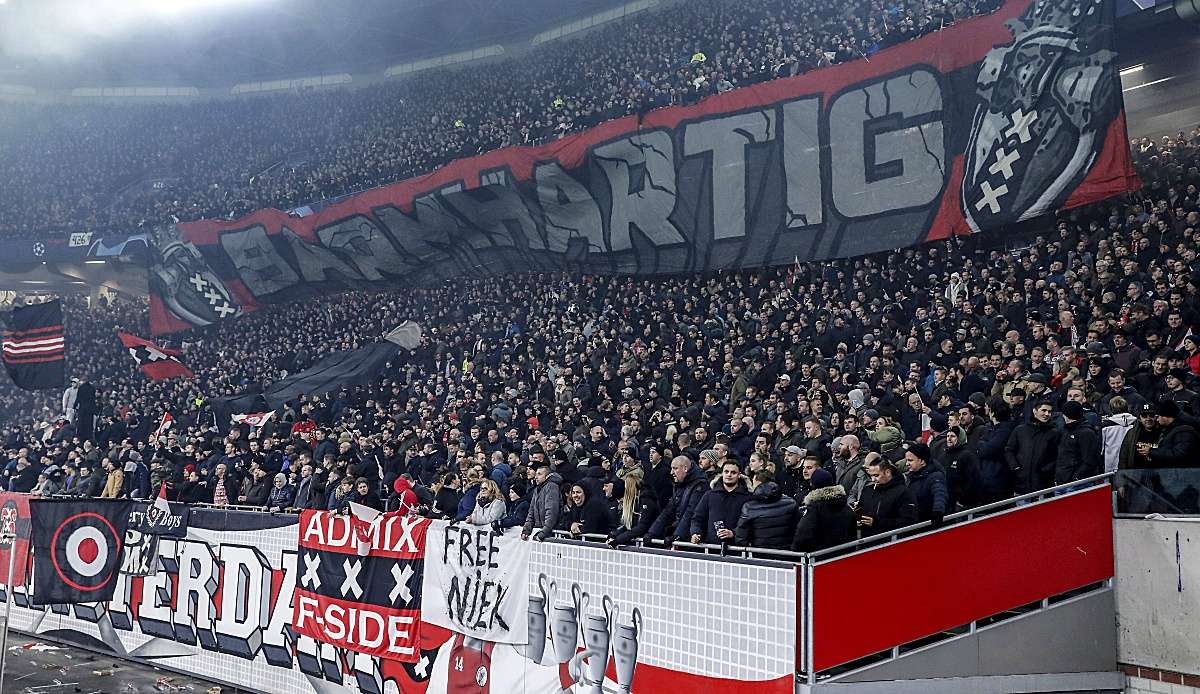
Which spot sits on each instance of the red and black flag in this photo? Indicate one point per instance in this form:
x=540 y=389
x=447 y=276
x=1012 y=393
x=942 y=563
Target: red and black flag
x=77 y=549
x=34 y=352
x=158 y=363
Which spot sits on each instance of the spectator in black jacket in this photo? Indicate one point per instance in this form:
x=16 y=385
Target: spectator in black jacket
x=636 y=511
x=826 y=520
x=586 y=512
x=1079 y=453
x=718 y=512
x=89 y=483
x=674 y=521
x=1178 y=445
x=886 y=504
x=1032 y=450
x=768 y=519
x=927 y=482
x=259 y=490
x=518 y=505
x=365 y=494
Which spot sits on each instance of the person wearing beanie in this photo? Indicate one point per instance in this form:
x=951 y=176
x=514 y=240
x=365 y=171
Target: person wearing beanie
x=518 y=505
x=927 y=482
x=1177 y=446
x=1079 y=451
x=281 y=495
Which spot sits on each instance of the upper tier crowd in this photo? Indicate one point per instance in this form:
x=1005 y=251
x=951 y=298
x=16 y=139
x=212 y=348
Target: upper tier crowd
x=789 y=407
x=232 y=156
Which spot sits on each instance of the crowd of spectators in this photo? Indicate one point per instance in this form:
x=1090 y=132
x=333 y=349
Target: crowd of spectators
x=787 y=408
x=229 y=157
x=791 y=407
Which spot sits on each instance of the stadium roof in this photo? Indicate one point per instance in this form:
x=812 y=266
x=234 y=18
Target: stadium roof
x=212 y=43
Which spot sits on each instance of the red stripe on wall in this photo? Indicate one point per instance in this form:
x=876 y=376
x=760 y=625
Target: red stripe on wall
x=958 y=575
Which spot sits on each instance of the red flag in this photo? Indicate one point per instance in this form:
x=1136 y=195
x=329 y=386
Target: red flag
x=255 y=419
x=157 y=362
x=167 y=421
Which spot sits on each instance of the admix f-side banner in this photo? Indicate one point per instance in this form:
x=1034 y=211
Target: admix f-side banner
x=994 y=120
x=220 y=601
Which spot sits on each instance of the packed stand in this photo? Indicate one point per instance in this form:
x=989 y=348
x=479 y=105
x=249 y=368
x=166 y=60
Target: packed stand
x=230 y=157
x=788 y=408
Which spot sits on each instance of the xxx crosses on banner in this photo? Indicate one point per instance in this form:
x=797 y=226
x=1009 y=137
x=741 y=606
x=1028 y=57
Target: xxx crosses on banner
x=358 y=584
x=158 y=363
x=77 y=549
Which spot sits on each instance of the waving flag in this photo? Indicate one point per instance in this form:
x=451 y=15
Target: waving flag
x=34 y=346
x=256 y=419
x=156 y=362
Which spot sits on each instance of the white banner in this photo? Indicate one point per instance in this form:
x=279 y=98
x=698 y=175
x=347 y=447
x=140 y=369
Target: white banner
x=476 y=582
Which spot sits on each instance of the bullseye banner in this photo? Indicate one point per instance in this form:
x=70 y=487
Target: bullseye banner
x=77 y=549
x=995 y=120
x=359 y=585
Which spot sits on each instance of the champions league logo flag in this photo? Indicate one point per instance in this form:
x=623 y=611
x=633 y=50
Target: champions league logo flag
x=76 y=550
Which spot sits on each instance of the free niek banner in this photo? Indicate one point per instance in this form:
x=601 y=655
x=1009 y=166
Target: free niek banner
x=476 y=582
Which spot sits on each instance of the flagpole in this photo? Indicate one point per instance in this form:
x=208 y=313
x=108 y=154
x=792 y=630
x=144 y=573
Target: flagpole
x=8 y=600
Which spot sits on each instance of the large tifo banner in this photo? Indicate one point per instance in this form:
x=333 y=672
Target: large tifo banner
x=997 y=119
x=221 y=601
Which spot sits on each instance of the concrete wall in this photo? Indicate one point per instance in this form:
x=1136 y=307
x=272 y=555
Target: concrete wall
x=1158 y=596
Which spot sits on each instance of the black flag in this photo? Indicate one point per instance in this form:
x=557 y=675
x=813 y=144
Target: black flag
x=33 y=346
x=77 y=549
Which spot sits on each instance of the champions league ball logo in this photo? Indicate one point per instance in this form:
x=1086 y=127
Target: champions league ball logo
x=1047 y=100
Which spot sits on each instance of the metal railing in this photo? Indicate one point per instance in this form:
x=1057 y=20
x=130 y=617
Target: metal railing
x=722 y=550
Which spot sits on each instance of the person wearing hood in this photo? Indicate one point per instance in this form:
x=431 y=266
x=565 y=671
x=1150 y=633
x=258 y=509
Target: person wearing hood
x=690 y=485
x=1032 y=450
x=927 y=482
x=887 y=503
x=404 y=499
x=137 y=477
x=768 y=519
x=586 y=512
x=545 y=504
x=281 y=495
x=960 y=465
x=489 y=504
x=826 y=520
x=718 y=512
